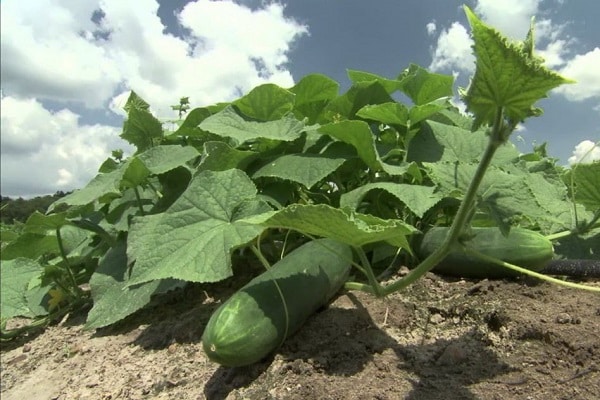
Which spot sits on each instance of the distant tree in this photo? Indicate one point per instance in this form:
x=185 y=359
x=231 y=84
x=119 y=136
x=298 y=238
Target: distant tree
x=20 y=209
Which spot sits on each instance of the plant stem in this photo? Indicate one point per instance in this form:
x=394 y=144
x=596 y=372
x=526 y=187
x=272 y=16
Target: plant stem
x=63 y=254
x=496 y=139
x=377 y=288
x=139 y=200
x=529 y=272
x=559 y=235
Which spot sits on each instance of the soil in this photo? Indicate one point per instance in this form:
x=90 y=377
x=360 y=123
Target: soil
x=439 y=339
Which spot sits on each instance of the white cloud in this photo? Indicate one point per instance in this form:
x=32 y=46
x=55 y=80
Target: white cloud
x=93 y=52
x=44 y=151
x=453 y=50
x=511 y=17
x=584 y=69
x=585 y=152
x=431 y=28
x=44 y=55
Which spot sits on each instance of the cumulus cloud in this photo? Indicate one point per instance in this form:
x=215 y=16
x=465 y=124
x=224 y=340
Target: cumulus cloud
x=583 y=68
x=43 y=151
x=585 y=152
x=511 y=17
x=92 y=53
x=44 y=54
x=453 y=50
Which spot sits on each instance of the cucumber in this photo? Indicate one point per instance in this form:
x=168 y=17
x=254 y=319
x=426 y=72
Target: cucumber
x=253 y=323
x=522 y=247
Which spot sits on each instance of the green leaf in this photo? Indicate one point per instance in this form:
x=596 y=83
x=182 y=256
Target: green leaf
x=358 y=96
x=135 y=173
x=417 y=198
x=193 y=239
x=135 y=102
x=423 y=86
x=266 y=102
x=313 y=93
x=161 y=159
x=390 y=85
x=306 y=169
x=507 y=197
x=586 y=181
x=113 y=299
x=228 y=123
x=424 y=111
x=219 y=156
x=141 y=128
x=343 y=225
x=42 y=223
x=440 y=142
x=15 y=276
x=386 y=113
x=30 y=245
x=506 y=75
x=314 y=88
x=359 y=135
x=103 y=187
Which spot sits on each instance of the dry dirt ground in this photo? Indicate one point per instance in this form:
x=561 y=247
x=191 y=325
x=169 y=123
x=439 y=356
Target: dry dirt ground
x=439 y=339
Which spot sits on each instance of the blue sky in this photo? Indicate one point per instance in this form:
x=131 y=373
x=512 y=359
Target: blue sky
x=68 y=65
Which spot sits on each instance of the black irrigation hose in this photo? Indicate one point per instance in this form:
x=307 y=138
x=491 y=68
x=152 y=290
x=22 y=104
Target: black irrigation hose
x=573 y=268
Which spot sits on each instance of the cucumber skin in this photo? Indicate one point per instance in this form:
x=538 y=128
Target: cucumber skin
x=522 y=247
x=251 y=323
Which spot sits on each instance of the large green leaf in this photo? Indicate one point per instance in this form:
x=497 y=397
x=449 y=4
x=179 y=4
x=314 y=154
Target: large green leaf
x=424 y=87
x=266 y=102
x=440 y=142
x=306 y=169
x=30 y=245
x=359 y=135
x=390 y=85
x=387 y=113
x=313 y=92
x=103 y=187
x=161 y=159
x=15 y=276
x=42 y=223
x=418 y=113
x=417 y=198
x=358 y=96
x=219 y=156
x=586 y=181
x=506 y=75
x=314 y=88
x=508 y=197
x=192 y=240
x=113 y=299
x=228 y=123
x=343 y=225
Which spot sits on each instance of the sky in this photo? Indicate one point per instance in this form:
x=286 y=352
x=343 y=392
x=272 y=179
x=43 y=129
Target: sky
x=67 y=66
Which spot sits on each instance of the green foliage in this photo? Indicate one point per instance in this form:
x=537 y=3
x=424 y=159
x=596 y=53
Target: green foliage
x=275 y=168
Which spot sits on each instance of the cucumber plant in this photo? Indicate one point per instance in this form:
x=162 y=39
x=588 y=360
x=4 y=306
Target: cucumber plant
x=255 y=178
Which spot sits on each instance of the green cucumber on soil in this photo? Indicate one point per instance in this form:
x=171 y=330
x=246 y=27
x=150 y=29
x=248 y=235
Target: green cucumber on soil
x=522 y=247
x=256 y=320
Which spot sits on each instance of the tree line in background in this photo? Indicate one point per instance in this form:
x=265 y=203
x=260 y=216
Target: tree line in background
x=20 y=209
